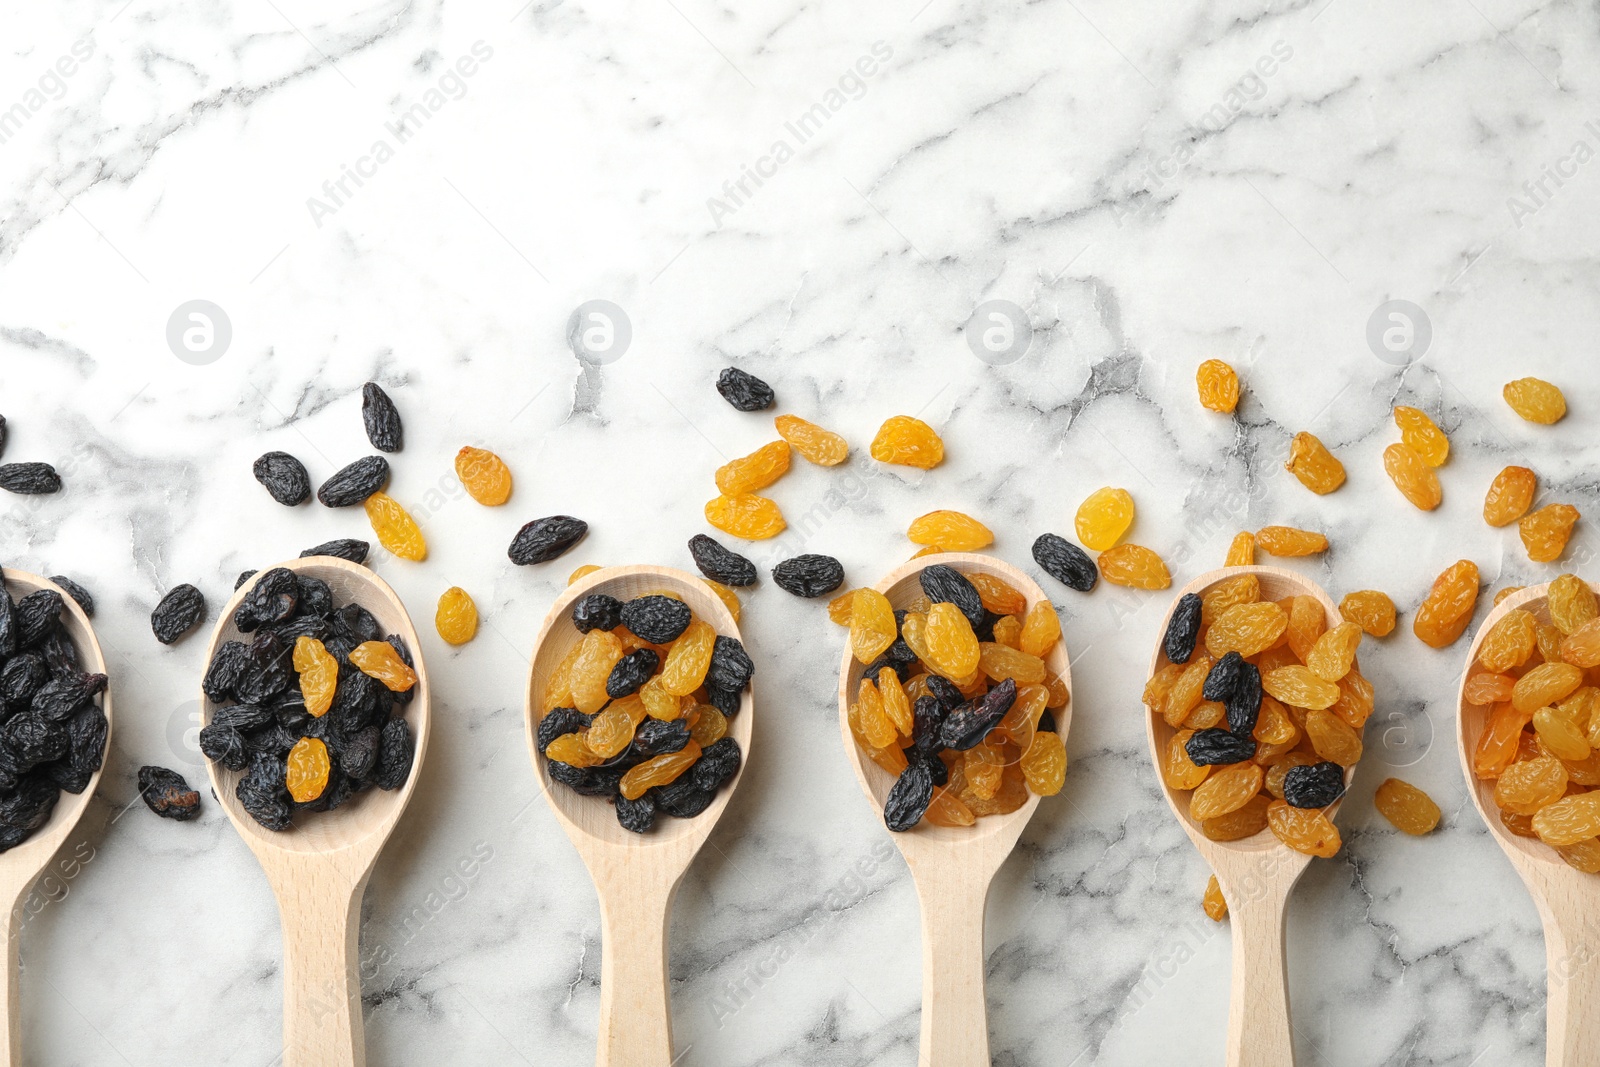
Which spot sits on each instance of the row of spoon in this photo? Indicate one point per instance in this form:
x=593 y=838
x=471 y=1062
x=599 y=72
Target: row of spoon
x=319 y=870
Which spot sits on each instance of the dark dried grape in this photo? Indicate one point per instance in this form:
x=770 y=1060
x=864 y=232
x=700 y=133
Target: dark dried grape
x=1212 y=747
x=727 y=701
x=382 y=420
x=21 y=677
x=25 y=810
x=267 y=670
x=86 y=741
x=59 y=653
x=1315 y=786
x=968 y=725
x=167 y=794
x=353 y=484
x=223 y=673
x=284 y=477
x=66 y=693
x=945 y=690
x=357 y=624
x=717 y=765
x=9 y=630
x=246 y=718
x=744 y=390
x=224 y=745
x=394 y=756
x=1065 y=562
x=399 y=645
x=927 y=719
x=244 y=576
x=31 y=479
x=262 y=795
x=76 y=592
x=271 y=600
x=1243 y=706
x=1047 y=722
x=945 y=585
x=909 y=797
x=657 y=619
x=67 y=777
x=810 y=575
x=559 y=722
x=597 y=612
x=2 y=434
x=682 y=799
x=636 y=816
x=631 y=671
x=1183 y=629
x=719 y=563
x=731 y=667
x=575 y=778
x=313 y=596
x=33 y=740
x=179 y=612
x=350 y=548
x=542 y=540
x=655 y=737
x=37 y=615
x=1223 y=677
x=358 y=754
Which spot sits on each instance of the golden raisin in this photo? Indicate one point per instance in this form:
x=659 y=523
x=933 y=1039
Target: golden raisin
x=1507 y=591
x=950 y=640
x=1485 y=688
x=896 y=706
x=946 y=809
x=1008 y=631
x=378 y=659
x=999 y=663
x=1510 y=495
x=1355 y=701
x=1305 y=830
x=1040 y=629
x=1545 y=532
x=1134 y=566
x=876 y=725
x=1509 y=642
x=659 y=703
x=1447 y=610
x=985 y=765
x=710 y=726
x=840 y=607
x=1529 y=785
x=1296 y=685
x=1218 y=385
x=571 y=750
x=997 y=595
x=396 y=529
x=1104 y=517
x=1186 y=690
x=1242 y=822
x=319 y=675
x=1582 y=646
x=1335 y=651
x=822 y=447
x=1497 y=747
x=1583 y=856
x=598 y=652
x=1312 y=463
x=1243 y=589
x=909 y=442
x=582 y=572
x=729 y=598
x=661 y=770
x=950 y=531
x=611 y=731
x=457 y=616
x=1545 y=684
x=756 y=471
x=1369 y=609
x=1227 y=789
x=1215 y=906
x=308 y=770
x=1536 y=400
x=1422 y=435
x=1408 y=808
x=1560 y=735
x=872 y=624
x=1569 y=820
x=484 y=475
x=1044 y=764
x=1412 y=476
x=1178 y=770
x=1246 y=629
x=1307 y=623
x=1572 y=603
x=1288 y=541
x=1332 y=738
x=754 y=518
x=689 y=658
x=1242 y=552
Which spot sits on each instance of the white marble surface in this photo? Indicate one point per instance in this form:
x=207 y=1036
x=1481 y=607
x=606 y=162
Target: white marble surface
x=1118 y=173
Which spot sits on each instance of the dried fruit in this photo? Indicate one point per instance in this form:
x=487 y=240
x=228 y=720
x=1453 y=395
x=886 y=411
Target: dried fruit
x=378 y=659
x=1408 y=808
x=943 y=584
x=1536 y=400
x=29 y=479
x=1296 y=685
x=1569 y=820
x=1246 y=628
x=308 y=770
x=1305 y=830
x=167 y=794
x=1241 y=589
x=397 y=531
x=1510 y=495
x=353 y=484
x=1212 y=747
x=1529 y=785
x=1212 y=902
x=1412 y=476
x=284 y=477
x=655 y=618
x=756 y=471
x=995 y=595
x=909 y=442
x=542 y=540
x=179 y=612
x=1545 y=532
x=1183 y=629
x=909 y=797
x=348 y=548
x=76 y=592
x=484 y=475
x=1134 y=566
x=1288 y=541
x=690 y=658
x=381 y=418
x=754 y=518
x=1225 y=790
x=1315 y=785
x=1065 y=562
x=951 y=644
x=822 y=447
x=950 y=531
x=809 y=575
x=1509 y=642
x=872 y=624
x=1447 y=610
x=1242 y=551
x=1218 y=385
x=1312 y=463
x=597 y=611
x=658 y=771
x=457 y=616
x=1040 y=630
x=319 y=675
x=719 y=563
x=1245 y=821
x=1104 y=517
x=1421 y=434
x=1544 y=685
x=1335 y=652
x=744 y=390
x=1369 y=609
x=1571 y=602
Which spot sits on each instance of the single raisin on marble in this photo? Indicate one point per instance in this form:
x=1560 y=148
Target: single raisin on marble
x=382 y=420
x=631 y=671
x=542 y=540
x=350 y=548
x=1065 y=562
x=655 y=618
x=1314 y=786
x=29 y=479
x=910 y=796
x=719 y=563
x=284 y=477
x=809 y=575
x=167 y=794
x=179 y=612
x=744 y=390
x=944 y=584
x=1211 y=747
x=968 y=725
x=1183 y=629
x=597 y=611
x=76 y=592
x=355 y=483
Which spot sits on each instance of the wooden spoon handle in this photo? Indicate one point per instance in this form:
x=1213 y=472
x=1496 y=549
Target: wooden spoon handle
x=955 y=1010
x=1573 y=983
x=11 y=1052
x=321 y=988
x=635 y=1007
x=1258 y=1009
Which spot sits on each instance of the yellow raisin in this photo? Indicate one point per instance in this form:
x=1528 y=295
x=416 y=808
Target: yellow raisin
x=1134 y=566
x=1186 y=690
x=946 y=809
x=1008 y=631
x=1509 y=642
x=1307 y=623
x=822 y=447
x=1305 y=830
x=1408 y=808
x=1288 y=541
x=1549 y=639
x=598 y=653
x=876 y=725
x=872 y=624
x=1012 y=795
x=754 y=518
x=1529 y=785
x=896 y=706
x=661 y=770
x=1569 y=820
x=1273 y=724
x=1215 y=906
x=1447 y=610
x=1535 y=400
x=1060 y=696
x=571 y=750
x=999 y=663
x=839 y=607
x=319 y=675
x=950 y=531
x=908 y=442
x=484 y=475
x=1242 y=822
x=950 y=641
x=1218 y=385
x=1044 y=764
x=1242 y=552
x=1312 y=463
x=1582 y=646
x=1497 y=746
x=1560 y=735
x=396 y=529
x=689 y=658
x=558 y=686
x=457 y=616
x=1296 y=685
x=1545 y=684
x=1507 y=591
x=1583 y=856
x=1423 y=435
x=582 y=572
x=1227 y=789
x=1040 y=629
x=985 y=766
x=1412 y=476
x=1369 y=609
x=1545 y=532
x=1335 y=651
x=710 y=726
x=1572 y=603
x=1206 y=714
x=729 y=598
x=1355 y=701
x=611 y=731
x=1510 y=495
x=1332 y=738
x=378 y=659
x=1485 y=688
x=1243 y=589
x=659 y=703
x=1246 y=629
x=1104 y=517
x=1178 y=770
x=997 y=595
x=756 y=471
x=1020 y=722
x=308 y=770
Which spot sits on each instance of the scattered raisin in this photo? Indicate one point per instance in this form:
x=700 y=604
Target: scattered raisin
x=909 y=442
x=284 y=477
x=1536 y=400
x=1104 y=517
x=484 y=475
x=1218 y=385
x=542 y=540
x=167 y=794
x=381 y=418
x=809 y=575
x=180 y=611
x=1065 y=562
x=719 y=563
x=29 y=479
x=1312 y=463
x=456 y=618
x=744 y=390
x=353 y=484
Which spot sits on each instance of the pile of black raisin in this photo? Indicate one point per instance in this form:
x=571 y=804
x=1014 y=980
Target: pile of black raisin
x=261 y=713
x=52 y=733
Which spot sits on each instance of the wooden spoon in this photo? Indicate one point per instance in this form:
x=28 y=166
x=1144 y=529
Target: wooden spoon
x=951 y=866
x=1568 y=899
x=635 y=875
x=1256 y=874
x=318 y=869
x=21 y=866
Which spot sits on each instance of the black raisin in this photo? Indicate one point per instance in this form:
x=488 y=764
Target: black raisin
x=179 y=612
x=682 y=799
x=1065 y=562
x=224 y=745
x=655 y=618
x=223 y=673
x=1243 y=706
x=22 y=677
x=271 y=600
x=245 y=718
x=25 y=810
x=33 y=740
x=945 y=690
x=357 y=624
x=398 y=644
x=9 y=630
x=1212 y=747
x=637 y=816
x=631 y=671
x=927 y=719
x=575 y=778
x=1315 y=786
x=394 y=756
x=358 y=754
x=558 y=722
x=1223 y=677
x=810 y=575
x=731 y=667
x=267 y=670
x=968 y=725
x=167 y=794
x=719 y=563
x=655 y=737
x=244 y=576
x=909 y=797
x=727 y=701
x=31 y=479
x=37 y=615
x=381 y=418
x=64 y=694
x=86 y=740
x=1183 y=629
x=717 y=765
x=353 y=484
x=313 y=596
x=542 y=540
x=284 y=477
x=76 y=592
x=350 y=548
x=1047 y=721
x=744 y=390
x=264 y=798
x=597 y=612
x=945 y=585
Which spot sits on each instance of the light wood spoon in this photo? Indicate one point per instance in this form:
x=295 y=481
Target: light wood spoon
x=21 y=866
x=952 y=867
x=318 y=869
x=635 y=875
x=1568 y=899
x=1256 y=874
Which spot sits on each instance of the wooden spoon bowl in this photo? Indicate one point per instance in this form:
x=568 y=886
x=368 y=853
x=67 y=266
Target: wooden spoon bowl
x=1256 y=874
x=318 y=869
x=21 y=866
x=952 y=866
x=635 y=875
x=1568 y=899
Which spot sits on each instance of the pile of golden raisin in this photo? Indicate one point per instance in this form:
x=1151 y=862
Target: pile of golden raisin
x=1537 y=675
x=961 y=716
